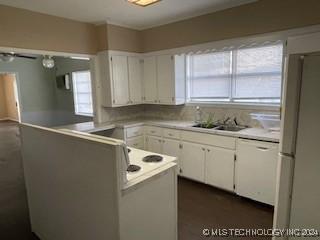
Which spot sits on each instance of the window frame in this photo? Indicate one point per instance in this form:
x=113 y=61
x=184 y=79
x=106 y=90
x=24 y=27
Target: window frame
x=233 y=101
x=75 y=94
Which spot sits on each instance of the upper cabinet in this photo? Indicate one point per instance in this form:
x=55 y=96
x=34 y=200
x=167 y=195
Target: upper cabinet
x=128 y=79
x=135 y=69
x=119 y=78
x=150 y=80
x=164 y=79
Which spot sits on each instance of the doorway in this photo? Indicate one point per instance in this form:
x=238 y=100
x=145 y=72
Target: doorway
x=9 y=101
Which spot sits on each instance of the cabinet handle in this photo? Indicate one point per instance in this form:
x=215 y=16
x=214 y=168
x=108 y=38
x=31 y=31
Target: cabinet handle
x=114 y=101
x=172 y=99
x=170 y=134
x=208 y=150
x=159 y=140
x=203 y=149
x=180 y=146
x=152 y=131
x=263 y=148
x=155 y=101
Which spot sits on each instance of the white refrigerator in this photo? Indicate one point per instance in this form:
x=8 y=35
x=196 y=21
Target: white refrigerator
x=298 y=179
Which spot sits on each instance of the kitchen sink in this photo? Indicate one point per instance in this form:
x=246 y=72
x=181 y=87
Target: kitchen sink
x=203 y=125
x=230 y=128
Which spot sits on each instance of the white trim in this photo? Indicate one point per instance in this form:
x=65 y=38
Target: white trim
x=44 y=52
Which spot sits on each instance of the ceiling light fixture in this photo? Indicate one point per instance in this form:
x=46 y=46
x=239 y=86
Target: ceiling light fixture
x=143 y=3
x=48 y=62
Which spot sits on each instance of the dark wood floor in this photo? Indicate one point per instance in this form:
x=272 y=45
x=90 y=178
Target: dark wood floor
x=199 y=206
x=204 y=207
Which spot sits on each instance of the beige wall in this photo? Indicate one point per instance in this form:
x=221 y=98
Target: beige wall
x=114 y=37
x=9 y=89
x=256 y=18
x=30 y=30
x=3 y=105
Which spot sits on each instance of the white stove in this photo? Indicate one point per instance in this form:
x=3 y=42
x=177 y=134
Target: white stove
x=136 y=157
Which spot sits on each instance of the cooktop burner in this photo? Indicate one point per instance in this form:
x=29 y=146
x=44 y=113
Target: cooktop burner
x=152 y=158
x=133 y=168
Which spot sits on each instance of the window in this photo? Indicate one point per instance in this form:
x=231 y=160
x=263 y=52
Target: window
x=248 y=75
x=82 y=93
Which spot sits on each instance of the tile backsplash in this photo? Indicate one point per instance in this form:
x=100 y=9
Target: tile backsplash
x=183 y=112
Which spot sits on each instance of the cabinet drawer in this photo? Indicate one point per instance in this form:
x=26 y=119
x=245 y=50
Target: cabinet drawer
x=136 y=142
x=209 y=139
x=171 y=133
x=134 y=131
x=154 y=131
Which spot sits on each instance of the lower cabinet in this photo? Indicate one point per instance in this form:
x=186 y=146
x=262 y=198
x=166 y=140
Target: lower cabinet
x=172 y=148
x=256 y=168
x=154 y=144
x=193 y=161
x=220 y=168
x=136 y=142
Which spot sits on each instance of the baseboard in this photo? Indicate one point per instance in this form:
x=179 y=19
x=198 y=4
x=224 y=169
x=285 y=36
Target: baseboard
x=9 y=119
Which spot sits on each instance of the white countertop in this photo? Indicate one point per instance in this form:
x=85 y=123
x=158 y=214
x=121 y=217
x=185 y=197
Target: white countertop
x=249 y=133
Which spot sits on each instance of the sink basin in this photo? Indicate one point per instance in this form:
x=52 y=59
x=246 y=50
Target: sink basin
x=230 y=128
x=200 y=125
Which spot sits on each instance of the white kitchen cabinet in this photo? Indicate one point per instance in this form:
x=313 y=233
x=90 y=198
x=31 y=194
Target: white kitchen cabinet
x=154 y=144
x=193 y=161
x=171 y=79
x=136 y=142
x=220 y=168
x=165 y=74
x=256 y=170
x=150 y=80
x=172 y=148
x=135 y=79
x=120 y=82
x=164 y=79
x=119 y=79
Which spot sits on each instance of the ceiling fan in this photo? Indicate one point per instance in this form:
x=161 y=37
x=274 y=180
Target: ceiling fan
x=9 y=57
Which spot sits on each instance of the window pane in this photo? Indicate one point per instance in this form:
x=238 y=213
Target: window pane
x=82 y=93
x=258 y=72
x=210 y=75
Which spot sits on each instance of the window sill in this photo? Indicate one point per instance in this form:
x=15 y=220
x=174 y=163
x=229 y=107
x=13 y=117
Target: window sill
x=248 y=106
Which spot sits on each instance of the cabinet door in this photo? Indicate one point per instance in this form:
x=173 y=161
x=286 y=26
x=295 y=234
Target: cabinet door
x=256 y=168
x=154 y=144
x=220 y=168
x=119 y=68
x=172 y=148
x=150 y=80
x=136 y=142
x=135 y=79
x=192 y=161
x=165 y=78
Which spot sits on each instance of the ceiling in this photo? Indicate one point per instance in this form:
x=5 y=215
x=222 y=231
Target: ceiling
x=123 y=13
